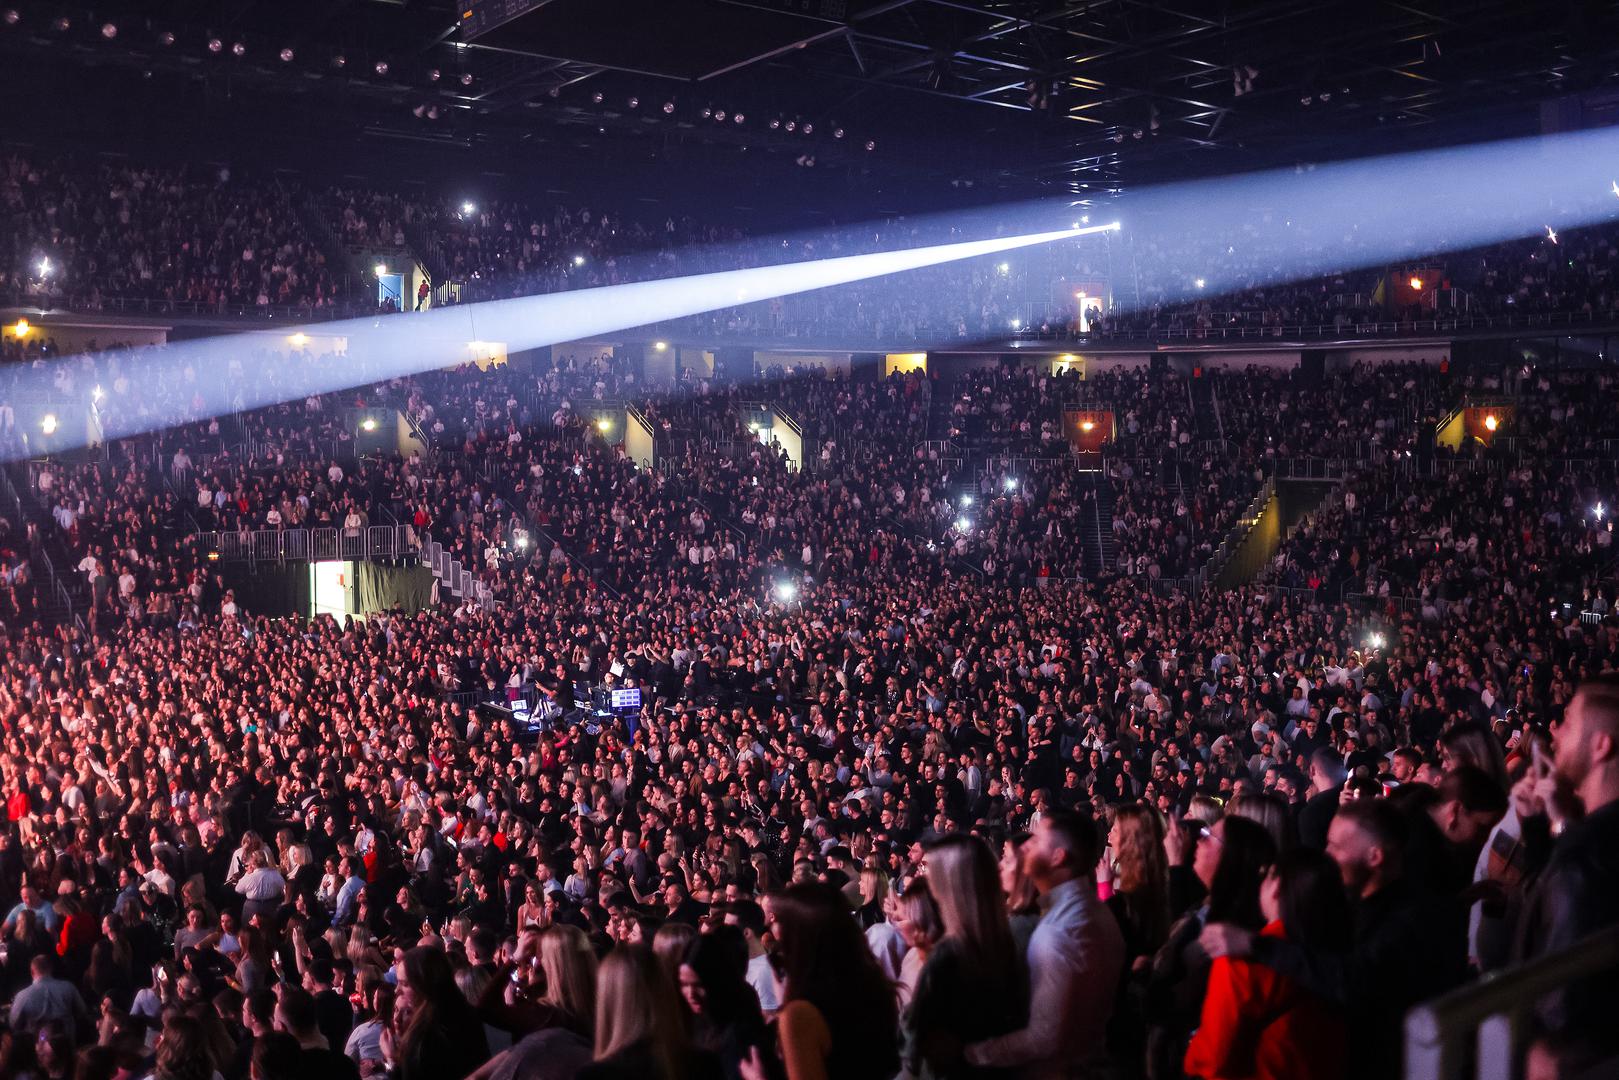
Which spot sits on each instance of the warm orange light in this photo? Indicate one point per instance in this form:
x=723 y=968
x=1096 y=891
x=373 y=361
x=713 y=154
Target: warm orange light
x=1087 y=425
x=1491 y=423
x=1416 y=283
x=21 y=329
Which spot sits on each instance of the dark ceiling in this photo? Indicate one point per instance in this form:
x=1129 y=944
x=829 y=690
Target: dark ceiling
x=1008 y=96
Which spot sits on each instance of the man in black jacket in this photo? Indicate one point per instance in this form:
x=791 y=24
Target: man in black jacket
x=1575 y=803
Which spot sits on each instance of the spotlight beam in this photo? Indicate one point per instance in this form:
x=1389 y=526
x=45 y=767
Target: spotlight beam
x=385 y=347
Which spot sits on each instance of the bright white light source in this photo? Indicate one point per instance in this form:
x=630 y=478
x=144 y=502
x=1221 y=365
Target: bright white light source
x=44 y=268
x=381 y=268
x=468 y=208
x=299 y=340
x=604 y=425
x=48 y=425
x=369 y=423
x=1599 y=510
x=966 y=500
x=1199 y=283
x=1491 y=423
x=1005 y=268
x=1087 y=425
x=21 y=329
x=1375 y=640
x=962 y=524
x=522 y=542
x=97 y=394
x=1017 y=324
x=660 y=345
x=1009 y=484
x=578 y=260
x=786 y=592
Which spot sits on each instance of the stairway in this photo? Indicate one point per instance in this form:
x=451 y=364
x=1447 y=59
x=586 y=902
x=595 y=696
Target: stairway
x=49 y=559
x=1205 y=408
x=942 y=401
x=1101 y=549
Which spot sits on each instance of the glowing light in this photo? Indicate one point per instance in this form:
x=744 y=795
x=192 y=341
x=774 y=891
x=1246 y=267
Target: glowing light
x=962 y=524
x=1010 y=484
x=468 y=208
x=286 y=56
x=21 y=329
x=1551 y=234
x=1416 y=283
x=44 y=267
x=578 y=260
x=966 y=500
x=786 y=592
x=299 y=340
x=660 y=345
x=522 y=543
x=97 y=394
x=1599 y=510
x=1491 y=423
x=753 y=426
x=48 y=425
x=1087 y=425
x=1017 y=324
x=1375 y=640
x=1199 y=283
x=1079 y=296
x=1084 y=219
x=604 y=425
x=369 y=423
x=1005 y=268
x=381 y=269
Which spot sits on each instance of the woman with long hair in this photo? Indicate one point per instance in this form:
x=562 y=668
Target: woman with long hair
x=839 y=1014
x=435 y=1033
x=183 y=1052
x=916 y=917
x=561 y=1023
x=724 y=1009
x=1269 y=811
x=1140 y=899
x=640 y=1024
x=973 y=985
x=1258 y=1024
x=1230 y=861
x=1022 y=901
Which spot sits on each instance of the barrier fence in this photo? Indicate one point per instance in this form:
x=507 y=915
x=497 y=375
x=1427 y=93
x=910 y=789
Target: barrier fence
x=312 y=545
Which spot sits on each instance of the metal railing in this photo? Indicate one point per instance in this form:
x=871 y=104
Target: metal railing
x=309 y=545
x=455 y=577
x=1348 y=326
x=1479 y=1030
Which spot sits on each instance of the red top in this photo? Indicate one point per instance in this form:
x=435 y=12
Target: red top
x=1258 y=1025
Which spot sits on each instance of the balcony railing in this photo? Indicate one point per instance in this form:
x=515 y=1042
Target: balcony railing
x=311 y=545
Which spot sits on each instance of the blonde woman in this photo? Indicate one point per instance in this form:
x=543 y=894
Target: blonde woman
x=916 y=917
x=1140 y=899
x=973 y=985
x=640 y=1026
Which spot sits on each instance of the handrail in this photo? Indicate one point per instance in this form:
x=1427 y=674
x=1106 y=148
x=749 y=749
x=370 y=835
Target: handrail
x=308 y=545
x=1490 y=1013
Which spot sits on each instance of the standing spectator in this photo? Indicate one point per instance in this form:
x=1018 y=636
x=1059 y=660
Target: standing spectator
x=1075 y=958
x=640 y=1028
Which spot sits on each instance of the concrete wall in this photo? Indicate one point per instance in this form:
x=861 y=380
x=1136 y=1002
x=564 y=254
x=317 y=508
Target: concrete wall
x=75 y=337
x=637 y=440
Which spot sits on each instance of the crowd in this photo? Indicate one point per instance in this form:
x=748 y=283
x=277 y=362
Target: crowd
x=915 y=788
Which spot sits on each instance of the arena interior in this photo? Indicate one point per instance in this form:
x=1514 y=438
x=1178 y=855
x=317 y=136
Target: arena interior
x=808 y=539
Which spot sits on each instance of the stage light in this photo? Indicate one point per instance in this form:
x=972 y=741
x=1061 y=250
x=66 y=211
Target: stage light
x=21 y=329
x=381 y=269
x=286 y=56
x=48 y=425
x=660 y=345
x=1087 y=425
x=1079 y=296
x=604 y=425
x=668 y=108
x=1199 y=283
x=109 y=31
x=786 y=592
x=369 y=423
x=1416 y=283
x=299 y=340
x=1491 y=423
x=238 y=50
x=468 y=208
x=578 y=260
x=380 y=67
x=215 y=45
